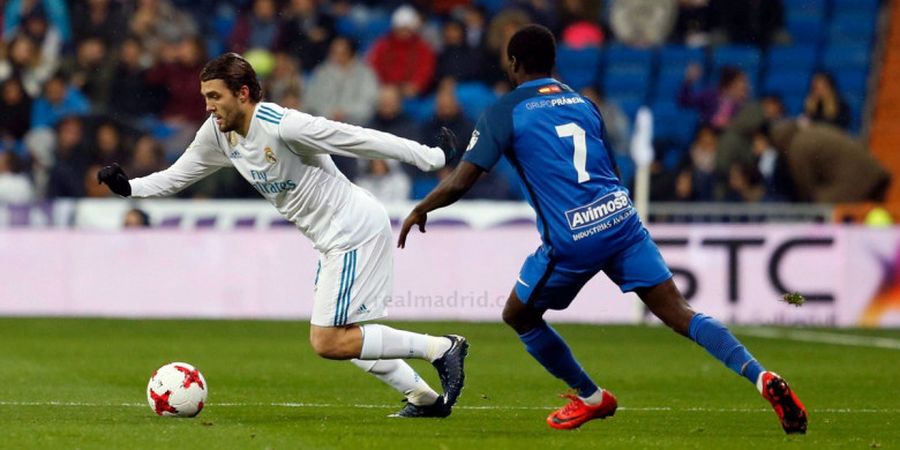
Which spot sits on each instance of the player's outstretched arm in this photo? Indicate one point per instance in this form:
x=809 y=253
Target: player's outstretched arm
x=310 y=134
x=448 y=192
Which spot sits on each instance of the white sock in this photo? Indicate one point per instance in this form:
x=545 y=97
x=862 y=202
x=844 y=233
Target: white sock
x=594 y=398
x=397 y=374
x=383 y=342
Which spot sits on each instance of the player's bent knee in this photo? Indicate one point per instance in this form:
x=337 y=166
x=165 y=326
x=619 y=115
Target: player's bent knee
x=325 y=343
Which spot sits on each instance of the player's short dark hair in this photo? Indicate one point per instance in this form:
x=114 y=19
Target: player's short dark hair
x=534 y=47
x=235 y=71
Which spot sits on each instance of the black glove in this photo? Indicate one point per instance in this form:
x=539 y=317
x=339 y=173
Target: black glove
x=447 y=143
x=115 y=178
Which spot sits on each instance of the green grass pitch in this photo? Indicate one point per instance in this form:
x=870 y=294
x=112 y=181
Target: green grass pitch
x=80 y=383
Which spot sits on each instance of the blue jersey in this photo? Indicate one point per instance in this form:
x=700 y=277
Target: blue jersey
x=556 y=140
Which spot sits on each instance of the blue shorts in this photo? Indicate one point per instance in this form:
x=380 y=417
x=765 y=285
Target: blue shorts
x=546 y=284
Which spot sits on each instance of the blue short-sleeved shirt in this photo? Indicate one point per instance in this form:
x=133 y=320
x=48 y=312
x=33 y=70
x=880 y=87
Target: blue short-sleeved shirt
x=556 y=140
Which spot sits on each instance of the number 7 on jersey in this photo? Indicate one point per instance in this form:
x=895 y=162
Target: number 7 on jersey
x=579 y=159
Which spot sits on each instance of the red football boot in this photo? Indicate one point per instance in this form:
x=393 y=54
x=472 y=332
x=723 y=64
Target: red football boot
x=790 y=411
x=577 y=412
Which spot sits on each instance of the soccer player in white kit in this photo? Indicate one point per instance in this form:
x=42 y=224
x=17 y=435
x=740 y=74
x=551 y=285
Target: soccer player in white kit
x=285 y=155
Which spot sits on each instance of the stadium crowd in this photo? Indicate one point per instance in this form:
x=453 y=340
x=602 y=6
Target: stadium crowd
x=88 y=83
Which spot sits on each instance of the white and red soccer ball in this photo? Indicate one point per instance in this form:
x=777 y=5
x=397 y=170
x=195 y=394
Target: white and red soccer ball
x=177 y=389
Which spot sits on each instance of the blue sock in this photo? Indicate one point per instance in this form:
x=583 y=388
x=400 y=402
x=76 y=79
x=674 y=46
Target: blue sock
x=719 y=342
x=549 y=349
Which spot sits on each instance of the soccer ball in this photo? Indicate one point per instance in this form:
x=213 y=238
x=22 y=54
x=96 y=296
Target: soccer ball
x=177 y=389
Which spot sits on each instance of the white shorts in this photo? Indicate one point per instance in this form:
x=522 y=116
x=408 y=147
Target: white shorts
x=354 y=286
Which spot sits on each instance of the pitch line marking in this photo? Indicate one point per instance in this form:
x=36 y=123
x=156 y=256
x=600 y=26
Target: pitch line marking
x=822 y=337
x=464 y=407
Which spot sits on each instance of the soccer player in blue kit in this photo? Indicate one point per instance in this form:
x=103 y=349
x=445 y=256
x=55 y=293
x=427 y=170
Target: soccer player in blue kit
x=556 y=140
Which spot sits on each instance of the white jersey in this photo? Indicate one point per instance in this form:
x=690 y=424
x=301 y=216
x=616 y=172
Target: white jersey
x=286 y=157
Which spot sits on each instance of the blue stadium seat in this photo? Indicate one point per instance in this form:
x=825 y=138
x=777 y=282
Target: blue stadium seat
x=474 y=98
x=627 y=57
x=744 y=57
x=856 y=104
x=371 y=30
x=852 y=29
x=672 y=124
x=796 y=57
x=806 y=31
x=578 y=67
x=628 y=103
x=618 y=84
x=793 y=104
x=419 y=109
x=676 y=58
x=842 y=6
x=841 y=57
x=786 y=83
x=667 y=86
x=492 y=6
x=813 y=9
x=851 y=82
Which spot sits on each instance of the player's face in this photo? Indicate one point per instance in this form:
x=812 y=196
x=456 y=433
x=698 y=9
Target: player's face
x=222 y=103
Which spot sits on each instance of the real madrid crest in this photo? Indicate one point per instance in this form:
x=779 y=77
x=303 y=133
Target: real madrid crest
x=270 y=156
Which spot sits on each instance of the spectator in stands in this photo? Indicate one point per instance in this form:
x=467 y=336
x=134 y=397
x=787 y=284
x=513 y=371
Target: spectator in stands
x=750 y=22
x=773 y=108
x=47 y=37
x=40 y=144
x=147 y=157
x=155 y=22
x=92 y=188
x=389 y=115
x=258 y=28
x=178 y=73
x=776 y=177
x=59 y=100
x=828 y=166
x=457 y=59
x=28 y=63
x=103 y=19
x=70 y=162
x=824 y=103
x=343 y=88
x=618 y=127
x=385 y=180
x=91 y=71
x=500 y=30
x=745 y=183
x=698 y=172
x=54 y=12
x=15 y=109
x=579 y=25
x=130 y=96
x=285 y=79
x=642 y=23
x=402 y=57
x=108 y=146
x=694 y=23
x=716 y=106
x=306 y=32
x=447 y=113
x=15 y=186
x=136 y=218
x=475 y=22
x=735 y=143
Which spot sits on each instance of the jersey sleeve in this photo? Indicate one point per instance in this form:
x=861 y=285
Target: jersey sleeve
x=306 y=134
x=492 y=136
x=202 y=158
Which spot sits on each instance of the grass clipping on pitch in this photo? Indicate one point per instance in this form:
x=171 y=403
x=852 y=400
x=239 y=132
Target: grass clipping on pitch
x=794 y=298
